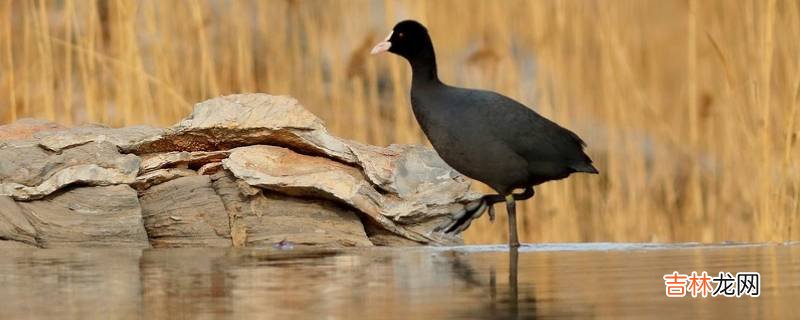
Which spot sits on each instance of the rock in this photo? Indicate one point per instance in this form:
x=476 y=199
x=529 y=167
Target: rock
x=241 y=170
x=194 y=159
x=282 y=170
x=85 y=217
x=39 y=172
x=147 y=180
x=416 y=175
x=248 y=119
x=23 y=129
x=210 y=168
x=266 y=218
x=15 y=245
x=25 y=165
x=14 y=224
x=123 y=138
x=185 y=212
x=197 y=211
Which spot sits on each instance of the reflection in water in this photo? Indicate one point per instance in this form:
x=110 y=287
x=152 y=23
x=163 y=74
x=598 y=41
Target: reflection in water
x=513 y=265
x=509 y=305
x=545 y=281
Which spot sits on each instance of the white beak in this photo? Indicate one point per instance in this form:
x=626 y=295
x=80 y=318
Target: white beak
x=383 y=45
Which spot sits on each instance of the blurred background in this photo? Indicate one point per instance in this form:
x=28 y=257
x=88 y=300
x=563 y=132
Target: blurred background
x=689 y=107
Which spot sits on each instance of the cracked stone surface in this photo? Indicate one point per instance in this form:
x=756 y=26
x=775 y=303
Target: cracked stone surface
x=30 y=172
x=185 y=212
x=123 y=138
x=262 y=218
x=280 y=169
x=247 y=119
x=241 y=170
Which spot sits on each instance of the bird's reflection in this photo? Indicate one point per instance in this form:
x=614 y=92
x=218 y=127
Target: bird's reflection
x=503 y=301
x=513 y=295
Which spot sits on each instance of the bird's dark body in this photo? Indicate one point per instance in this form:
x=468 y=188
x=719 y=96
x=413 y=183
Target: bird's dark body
x=494 y=139
x=482 y=134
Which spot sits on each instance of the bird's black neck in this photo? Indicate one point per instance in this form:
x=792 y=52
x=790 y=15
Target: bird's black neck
x=423 y=66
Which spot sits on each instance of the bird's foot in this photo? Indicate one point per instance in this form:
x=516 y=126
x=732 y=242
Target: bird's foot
x=475 y=210
x=472 y=211
x=491 y=213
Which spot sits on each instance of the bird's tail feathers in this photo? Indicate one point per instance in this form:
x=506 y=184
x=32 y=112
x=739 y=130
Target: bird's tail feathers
x=585 y=167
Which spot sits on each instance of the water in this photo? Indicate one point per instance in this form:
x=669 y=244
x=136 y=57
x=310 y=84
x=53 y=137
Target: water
x=611 y=281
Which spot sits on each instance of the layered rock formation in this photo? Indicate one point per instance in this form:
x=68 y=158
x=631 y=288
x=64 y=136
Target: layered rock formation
x=241 y=170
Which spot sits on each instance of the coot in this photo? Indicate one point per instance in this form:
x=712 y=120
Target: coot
x=482 y=134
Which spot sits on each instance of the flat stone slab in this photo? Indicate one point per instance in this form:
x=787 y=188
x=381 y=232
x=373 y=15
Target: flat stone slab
x=123 y=138
x=30 y=172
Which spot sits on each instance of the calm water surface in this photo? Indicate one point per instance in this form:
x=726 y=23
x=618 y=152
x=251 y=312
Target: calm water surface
x=554 y=281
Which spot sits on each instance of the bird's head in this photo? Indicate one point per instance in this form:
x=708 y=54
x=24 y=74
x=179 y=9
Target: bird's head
x=407 y=39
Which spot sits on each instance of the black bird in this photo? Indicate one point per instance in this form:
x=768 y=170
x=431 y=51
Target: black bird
x=482 y=134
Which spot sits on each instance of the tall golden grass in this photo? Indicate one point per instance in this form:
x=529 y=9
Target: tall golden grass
x=690 y=107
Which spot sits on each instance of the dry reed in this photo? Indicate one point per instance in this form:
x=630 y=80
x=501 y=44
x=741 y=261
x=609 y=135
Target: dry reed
x=690 y=108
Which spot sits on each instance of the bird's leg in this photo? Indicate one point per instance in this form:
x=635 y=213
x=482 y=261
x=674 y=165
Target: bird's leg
x=491 y=199
x=513 y=241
